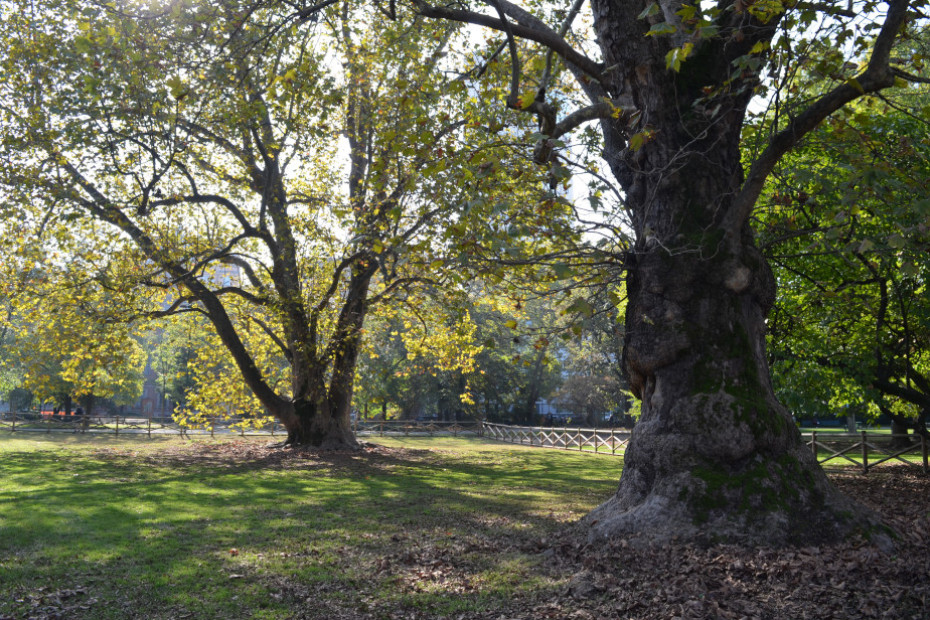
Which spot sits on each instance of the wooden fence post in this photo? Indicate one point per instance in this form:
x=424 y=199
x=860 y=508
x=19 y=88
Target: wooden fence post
x=865 y=453
x=117 y=426
x=814 y=443
x=923 y=448
x=14 y=422
x=150 y=427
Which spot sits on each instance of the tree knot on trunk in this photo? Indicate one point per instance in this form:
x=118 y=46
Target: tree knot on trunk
x=738 y=278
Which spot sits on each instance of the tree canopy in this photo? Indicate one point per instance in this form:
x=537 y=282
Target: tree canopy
x=278 y=179
x=334 y=157
x=846 y=227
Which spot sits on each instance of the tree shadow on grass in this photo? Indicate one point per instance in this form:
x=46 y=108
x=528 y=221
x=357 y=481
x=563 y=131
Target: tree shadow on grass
x=162 y=533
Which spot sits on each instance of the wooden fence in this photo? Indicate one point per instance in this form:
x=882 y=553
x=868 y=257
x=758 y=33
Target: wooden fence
x=865 y=450
x=602 y=441
x=869 y=450
x=862 y=449
x=127 y=425
x=408 y=428
x=36 y=422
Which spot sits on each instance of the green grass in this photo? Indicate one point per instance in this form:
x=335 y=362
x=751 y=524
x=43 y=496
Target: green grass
x=129 y=527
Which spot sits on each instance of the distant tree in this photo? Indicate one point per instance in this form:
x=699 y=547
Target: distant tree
x=592 y=389
x=76 y=347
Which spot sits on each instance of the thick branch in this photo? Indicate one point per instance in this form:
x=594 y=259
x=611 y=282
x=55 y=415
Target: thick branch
x=546 y=37
x=904 y=75
x=877 y=76
x=101 y=206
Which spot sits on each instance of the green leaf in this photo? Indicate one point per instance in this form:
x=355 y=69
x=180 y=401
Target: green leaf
x=687 y=12
x=177 y=86
x=855 y=84
x=562 y=271
x=581 y=306
x=660 y=29
x=649 y=11
x=83 y=45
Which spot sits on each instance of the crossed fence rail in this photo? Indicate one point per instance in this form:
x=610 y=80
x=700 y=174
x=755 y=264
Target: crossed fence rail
x=409 y=428
x=869 y=450
x=602 y=441
x=861 y=449
x=128 y=425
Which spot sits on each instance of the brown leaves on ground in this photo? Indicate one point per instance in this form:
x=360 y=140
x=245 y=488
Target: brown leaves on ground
x=45 y=602
x=249 y=454
x=849 y=580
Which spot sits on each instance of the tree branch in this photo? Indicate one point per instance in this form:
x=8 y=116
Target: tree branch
x=877 y=76
x=546 y=37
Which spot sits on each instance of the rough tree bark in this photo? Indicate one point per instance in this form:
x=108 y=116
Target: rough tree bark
x=715 y=457
x=321 y=416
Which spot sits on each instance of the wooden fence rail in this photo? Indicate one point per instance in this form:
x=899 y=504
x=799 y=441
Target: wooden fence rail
x=869 y=450
x=126 y=425
x=599 y=440
x=36 y=422
x=416 y=427
x=862 y=449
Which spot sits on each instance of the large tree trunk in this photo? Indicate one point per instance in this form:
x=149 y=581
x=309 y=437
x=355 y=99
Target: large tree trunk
x=320 y=415
x=714 y=457
x=319 y=425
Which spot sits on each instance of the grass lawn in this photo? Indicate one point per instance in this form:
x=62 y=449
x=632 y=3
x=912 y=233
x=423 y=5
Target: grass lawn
x=128 y=527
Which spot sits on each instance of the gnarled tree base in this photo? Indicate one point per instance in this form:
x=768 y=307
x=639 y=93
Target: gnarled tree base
x=785 y=501
x=320 y=431
x=330 y=441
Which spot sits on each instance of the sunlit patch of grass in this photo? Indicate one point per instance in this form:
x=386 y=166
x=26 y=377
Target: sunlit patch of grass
x=103 y=527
